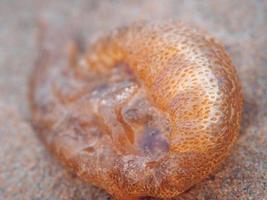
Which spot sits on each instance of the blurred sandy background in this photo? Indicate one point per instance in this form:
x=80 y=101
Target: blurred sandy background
x=27 y=171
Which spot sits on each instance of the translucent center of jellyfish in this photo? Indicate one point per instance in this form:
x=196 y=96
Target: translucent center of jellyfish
x=134 y=124
x=121 y=110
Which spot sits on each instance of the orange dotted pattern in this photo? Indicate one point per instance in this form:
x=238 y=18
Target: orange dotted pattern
x=148 y=110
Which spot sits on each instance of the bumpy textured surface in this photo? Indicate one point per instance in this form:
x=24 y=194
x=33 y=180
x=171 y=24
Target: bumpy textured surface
x=149 y=110
x=28 y=171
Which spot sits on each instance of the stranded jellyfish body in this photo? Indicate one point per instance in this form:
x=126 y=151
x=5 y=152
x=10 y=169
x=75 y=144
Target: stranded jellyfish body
x=146 y=110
